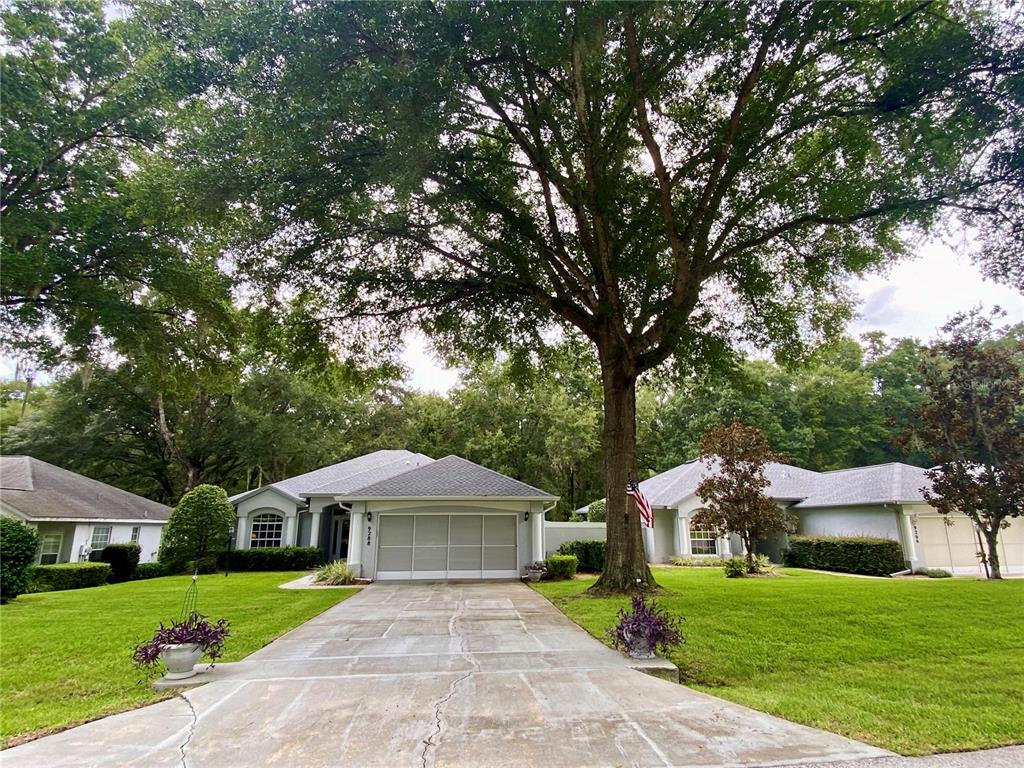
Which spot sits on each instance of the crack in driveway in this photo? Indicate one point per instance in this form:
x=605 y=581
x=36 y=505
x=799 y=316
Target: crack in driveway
x=429 y=741
x=191 y=729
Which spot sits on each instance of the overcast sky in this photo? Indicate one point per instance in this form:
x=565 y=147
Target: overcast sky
x=914 y=298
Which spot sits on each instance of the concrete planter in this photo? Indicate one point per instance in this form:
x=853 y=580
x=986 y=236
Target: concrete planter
x=534 y=576
x=638 y=647
x=180 y=660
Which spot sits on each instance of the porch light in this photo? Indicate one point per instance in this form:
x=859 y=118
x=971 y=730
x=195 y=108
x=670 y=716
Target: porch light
x=526 y=517
x=369 y=517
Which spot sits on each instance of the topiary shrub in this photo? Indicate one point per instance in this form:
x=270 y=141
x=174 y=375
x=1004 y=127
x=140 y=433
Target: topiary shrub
x=149 y=571
x=272 y=559
x=735 y=567
x=589 y=554
x=198 y=527
x=561 y=566
x=597 y=512
x=123 y=559
x=868 y=556
x=19 y=544
x=337 y=573
x=56 y=578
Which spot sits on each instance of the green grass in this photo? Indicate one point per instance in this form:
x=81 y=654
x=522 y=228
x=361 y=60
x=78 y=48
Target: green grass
x=65 y=657
x=913 y=666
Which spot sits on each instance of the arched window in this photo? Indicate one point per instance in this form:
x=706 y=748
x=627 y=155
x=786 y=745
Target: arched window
x=266 y=531
x=702 y=541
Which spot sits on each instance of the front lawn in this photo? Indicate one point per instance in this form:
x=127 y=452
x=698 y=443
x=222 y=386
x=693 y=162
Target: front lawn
x=912 y=666
x=65 y=657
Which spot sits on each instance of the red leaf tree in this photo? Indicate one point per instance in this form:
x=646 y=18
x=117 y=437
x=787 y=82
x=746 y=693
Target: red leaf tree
x=973 y=422
x=734 y=492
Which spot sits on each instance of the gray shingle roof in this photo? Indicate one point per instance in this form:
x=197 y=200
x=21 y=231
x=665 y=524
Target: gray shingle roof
x=372 y=467
x=878 y=484
x=882 y=483
x=450 y=477
x=36 y=489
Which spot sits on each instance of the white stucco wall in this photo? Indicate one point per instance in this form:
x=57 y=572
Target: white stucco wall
x=556 y=534
x=876 y=521
x=271 y=501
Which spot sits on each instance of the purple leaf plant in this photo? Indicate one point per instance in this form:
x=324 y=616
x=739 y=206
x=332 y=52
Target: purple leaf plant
x=195 y=629
x=646 y=626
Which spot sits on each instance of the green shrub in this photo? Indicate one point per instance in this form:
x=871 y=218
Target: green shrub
x=123 y=559
x=19 y=544
x=272 y=559
x=689 y=561
x=197 y=528
x=735 y=567
x=149 y=571
x=868 y=556
x=934 y=573
x=761 y=564
x=561 y=566
x=589 y=554
x=56 y=578
x=335 y=574
x=597 y=512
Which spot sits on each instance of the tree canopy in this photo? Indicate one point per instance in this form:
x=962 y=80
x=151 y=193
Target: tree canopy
x=669 y=179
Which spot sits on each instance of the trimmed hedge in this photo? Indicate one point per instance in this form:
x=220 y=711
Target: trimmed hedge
x=869 y=556
x=123 y=559
x=589 y=554
x=56 y=578
x=18 y=546
x=561 y=566
x=272 y=559
x=149 y=571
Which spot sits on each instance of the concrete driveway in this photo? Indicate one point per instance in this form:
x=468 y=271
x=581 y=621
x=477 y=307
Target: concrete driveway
x=419 y=675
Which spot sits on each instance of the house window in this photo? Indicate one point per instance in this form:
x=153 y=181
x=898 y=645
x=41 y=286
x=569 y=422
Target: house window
x=266 y=531
x=100 y=537
x=135 y=534
x=49 y=548
x=702 y=541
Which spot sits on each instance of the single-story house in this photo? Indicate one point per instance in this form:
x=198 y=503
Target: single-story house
x=883 y=501
x=399 y=515
x=76 y=515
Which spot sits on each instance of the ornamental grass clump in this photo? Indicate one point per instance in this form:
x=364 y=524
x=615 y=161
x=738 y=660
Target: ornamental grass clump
x=646 y=627
x=195 y=629
x=337 y=573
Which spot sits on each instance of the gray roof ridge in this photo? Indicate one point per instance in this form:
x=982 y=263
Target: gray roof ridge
x=488 y=469
x=313 y=491
x=866 y=466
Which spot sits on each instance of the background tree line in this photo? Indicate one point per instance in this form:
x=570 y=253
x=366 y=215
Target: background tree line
x=257 y=418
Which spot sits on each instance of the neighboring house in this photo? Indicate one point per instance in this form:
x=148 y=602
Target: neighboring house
x=402 y=515
x=74 y=514
x=883 y=501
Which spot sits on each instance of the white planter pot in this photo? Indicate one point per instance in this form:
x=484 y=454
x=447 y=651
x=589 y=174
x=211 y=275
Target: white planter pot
x=638 y=647
x=534 y=576
x=180 y=660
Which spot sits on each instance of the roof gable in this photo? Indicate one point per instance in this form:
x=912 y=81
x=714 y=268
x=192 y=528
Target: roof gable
x=36 y=489
x=449 y=478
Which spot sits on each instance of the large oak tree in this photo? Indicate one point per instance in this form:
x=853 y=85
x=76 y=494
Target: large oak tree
x=673 y=180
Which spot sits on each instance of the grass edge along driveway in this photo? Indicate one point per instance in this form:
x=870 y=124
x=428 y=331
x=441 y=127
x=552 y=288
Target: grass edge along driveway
x=913 y=666
x=65 y=657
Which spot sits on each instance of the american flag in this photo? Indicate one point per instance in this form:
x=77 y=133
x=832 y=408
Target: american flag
x=642 y=505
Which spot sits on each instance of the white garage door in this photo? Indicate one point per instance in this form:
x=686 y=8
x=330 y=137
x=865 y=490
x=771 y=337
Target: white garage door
x=955 y=547
x=459 y=546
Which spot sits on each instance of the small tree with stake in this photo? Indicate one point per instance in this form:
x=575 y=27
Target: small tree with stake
x=974 y=423
x=734 y=494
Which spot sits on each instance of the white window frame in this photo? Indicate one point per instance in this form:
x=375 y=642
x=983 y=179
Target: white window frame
x=96 y=529
x=136 y=533
x=259 y=527
x=708 y=536
x=42 y=547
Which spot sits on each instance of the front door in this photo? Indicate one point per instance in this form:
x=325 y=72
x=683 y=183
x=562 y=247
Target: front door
x=340 y=523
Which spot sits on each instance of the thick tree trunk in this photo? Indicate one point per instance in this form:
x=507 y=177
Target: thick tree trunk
x=992 y=545
x=625 y=563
